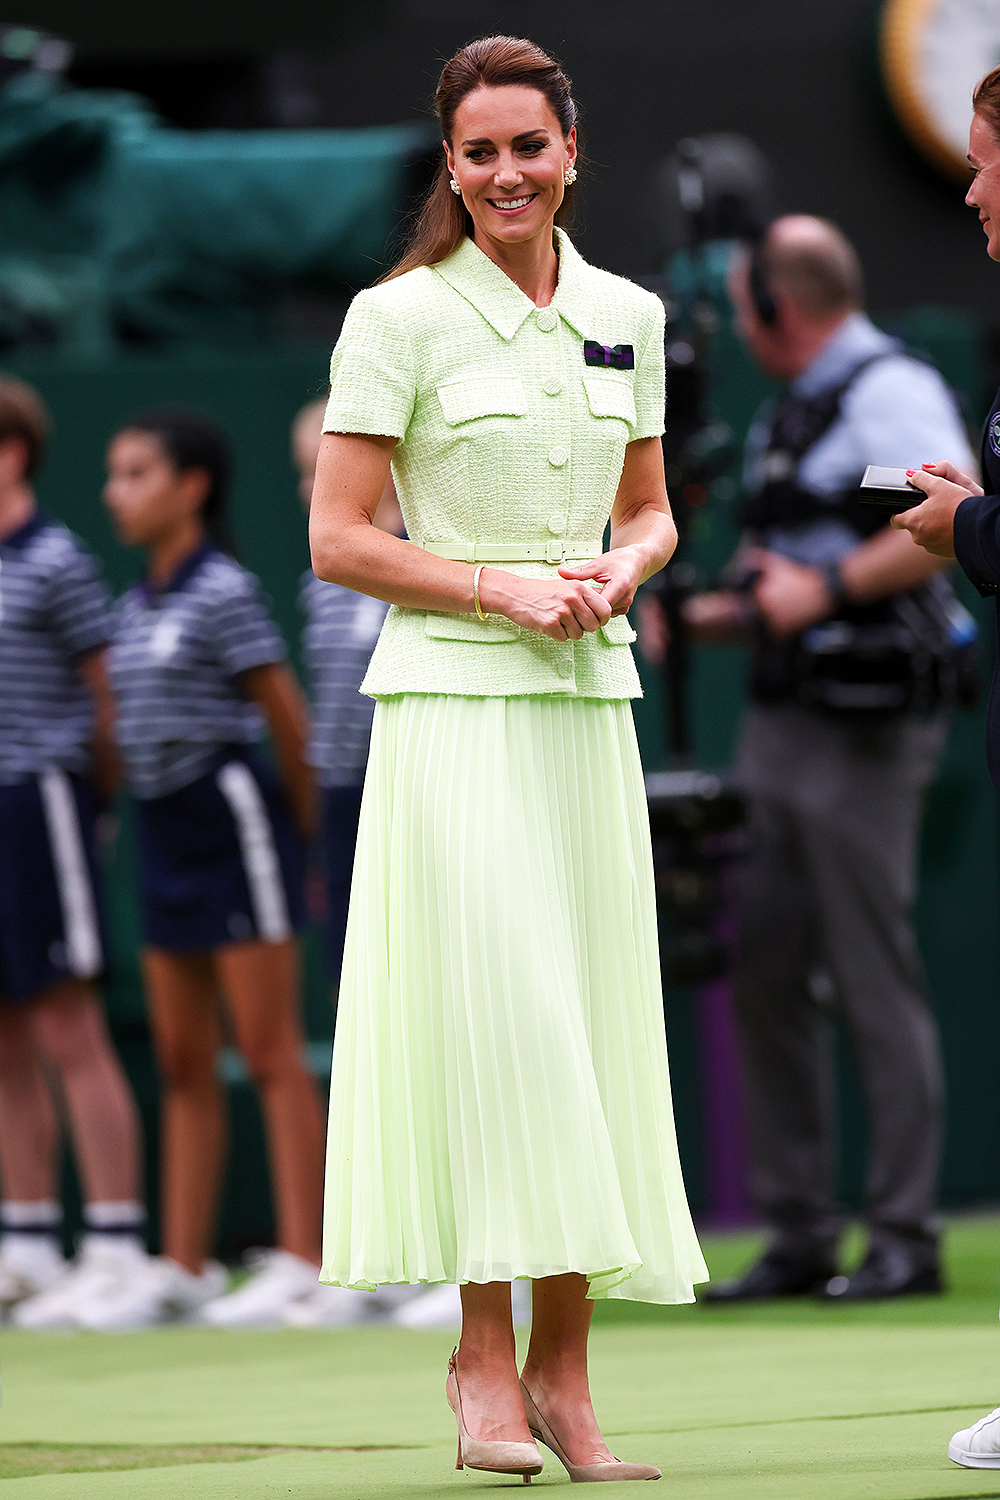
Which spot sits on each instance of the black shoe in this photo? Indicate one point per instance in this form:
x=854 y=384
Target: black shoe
x=886 y=1271
x=774 y=1275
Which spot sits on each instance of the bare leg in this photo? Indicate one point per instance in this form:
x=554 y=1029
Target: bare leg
x=261 y=984
x=68 y=1026
x=28 y=1127
x=181 y=992
x=555 y=1371
x=487 y=1367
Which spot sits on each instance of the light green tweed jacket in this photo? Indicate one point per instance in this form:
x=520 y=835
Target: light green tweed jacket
x=506 y=436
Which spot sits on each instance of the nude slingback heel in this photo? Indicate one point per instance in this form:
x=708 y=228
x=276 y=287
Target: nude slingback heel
x=497 y=1458
x=580 y=1473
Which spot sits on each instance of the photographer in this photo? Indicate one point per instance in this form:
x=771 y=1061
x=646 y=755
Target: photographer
x=835 y=755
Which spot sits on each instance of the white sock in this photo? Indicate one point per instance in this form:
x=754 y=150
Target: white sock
x=31 y=1232
x=116 y=1227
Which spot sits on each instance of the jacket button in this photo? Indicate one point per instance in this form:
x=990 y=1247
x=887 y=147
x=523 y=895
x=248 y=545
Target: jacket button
x=547 y=319
x=557 y=457
x=552 y=386
x=564 y=668
x=557 y=525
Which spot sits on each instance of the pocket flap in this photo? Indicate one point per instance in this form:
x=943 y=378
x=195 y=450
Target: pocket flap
x=618 y=631
x=609 y=396
x=488 y=396
x=449 y=627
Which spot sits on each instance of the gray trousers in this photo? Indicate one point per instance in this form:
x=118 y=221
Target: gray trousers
x=824 y=895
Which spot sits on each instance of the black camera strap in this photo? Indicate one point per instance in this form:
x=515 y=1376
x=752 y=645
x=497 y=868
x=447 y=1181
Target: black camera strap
x=892 y=655
x=797 y=424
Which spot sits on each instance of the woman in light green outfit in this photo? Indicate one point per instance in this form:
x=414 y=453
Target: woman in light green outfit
x=500 y=1101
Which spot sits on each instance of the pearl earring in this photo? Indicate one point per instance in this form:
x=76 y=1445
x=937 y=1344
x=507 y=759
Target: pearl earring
x=569 y=176
x=454 y=186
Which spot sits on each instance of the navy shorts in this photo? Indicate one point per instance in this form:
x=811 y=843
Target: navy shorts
x=338 y=837
x=51 y=926
x=220 y=860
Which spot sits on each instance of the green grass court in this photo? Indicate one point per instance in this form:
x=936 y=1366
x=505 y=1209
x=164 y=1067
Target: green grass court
x=781 y=1402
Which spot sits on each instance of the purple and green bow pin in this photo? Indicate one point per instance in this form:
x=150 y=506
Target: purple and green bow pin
x=615 y=357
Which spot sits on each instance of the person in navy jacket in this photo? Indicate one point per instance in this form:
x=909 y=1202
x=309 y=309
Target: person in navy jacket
x=961 y=518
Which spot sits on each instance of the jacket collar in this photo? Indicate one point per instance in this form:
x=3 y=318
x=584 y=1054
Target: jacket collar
x=181 y=574
x=22 y=536
x=495 y=297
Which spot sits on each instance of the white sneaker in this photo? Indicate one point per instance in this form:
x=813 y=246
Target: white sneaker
x=394 y=1293
x=99 y=1269
x=437 y=1307
x=333 y=1307
x=265 y=1297
x=160 y=1291
x=24 y=1276
x=441 y=1307
x=978 y=1447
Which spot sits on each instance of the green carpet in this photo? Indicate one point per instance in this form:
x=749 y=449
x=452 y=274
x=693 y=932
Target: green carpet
x=782 y=1402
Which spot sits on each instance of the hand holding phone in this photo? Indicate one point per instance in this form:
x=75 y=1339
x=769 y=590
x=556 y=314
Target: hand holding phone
x=889 y=489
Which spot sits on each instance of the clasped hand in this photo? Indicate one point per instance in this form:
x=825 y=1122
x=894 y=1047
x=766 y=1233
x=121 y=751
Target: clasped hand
x=584 y=597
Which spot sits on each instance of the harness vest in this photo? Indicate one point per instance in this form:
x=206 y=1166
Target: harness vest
x=891 y=655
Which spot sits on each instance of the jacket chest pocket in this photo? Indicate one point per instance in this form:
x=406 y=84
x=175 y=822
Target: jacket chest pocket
x=478 y=397
x=609 y=396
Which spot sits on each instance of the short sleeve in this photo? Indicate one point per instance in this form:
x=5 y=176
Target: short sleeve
x=79 y=606
x=244 y=634
x=901 y=410
x=372 y=372
x=649 y=388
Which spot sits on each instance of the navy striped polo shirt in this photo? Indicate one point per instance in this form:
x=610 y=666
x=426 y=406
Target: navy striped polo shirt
x=174 y=664
x=54 y=609
x=340 y=634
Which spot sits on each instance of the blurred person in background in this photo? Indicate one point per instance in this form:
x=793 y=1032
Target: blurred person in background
x=57 y=767
x=198 y=670
x=340 y=633
x=835 y=787
x=960 y=518
x=342 y=627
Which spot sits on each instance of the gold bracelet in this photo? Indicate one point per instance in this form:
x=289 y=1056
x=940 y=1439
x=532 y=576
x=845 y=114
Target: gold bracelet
x=475 y=591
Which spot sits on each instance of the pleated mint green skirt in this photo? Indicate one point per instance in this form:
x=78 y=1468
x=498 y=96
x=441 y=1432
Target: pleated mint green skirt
x=500 y=1097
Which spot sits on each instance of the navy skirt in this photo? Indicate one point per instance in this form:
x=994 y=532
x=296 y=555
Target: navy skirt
x=220 y=860
x=51 y=918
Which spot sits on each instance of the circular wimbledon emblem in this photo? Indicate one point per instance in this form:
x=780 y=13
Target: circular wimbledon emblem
x=995 y=433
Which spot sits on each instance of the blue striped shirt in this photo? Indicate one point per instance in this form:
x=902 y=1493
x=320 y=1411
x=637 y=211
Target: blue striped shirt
x=340 y=634
x=174 y=665
x=54 y=609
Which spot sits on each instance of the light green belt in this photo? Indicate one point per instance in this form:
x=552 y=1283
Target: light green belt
x=556 y=551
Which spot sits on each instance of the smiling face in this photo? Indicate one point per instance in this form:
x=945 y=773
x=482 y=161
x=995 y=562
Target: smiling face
x=148 y=497
x=509 y=156
x=984 y=193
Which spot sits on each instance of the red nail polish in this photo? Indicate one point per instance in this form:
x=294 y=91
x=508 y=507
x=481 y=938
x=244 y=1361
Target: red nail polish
x=927 y=466
x=910 y=473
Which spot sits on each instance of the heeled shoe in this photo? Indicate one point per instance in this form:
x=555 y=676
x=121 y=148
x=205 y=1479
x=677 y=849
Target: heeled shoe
x=580 y=1473
x=474 y=1453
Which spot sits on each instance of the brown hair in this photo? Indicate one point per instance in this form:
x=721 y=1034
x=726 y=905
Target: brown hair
x=814 y=263
x=490 y=62
x=986 y=100
x=23 y=415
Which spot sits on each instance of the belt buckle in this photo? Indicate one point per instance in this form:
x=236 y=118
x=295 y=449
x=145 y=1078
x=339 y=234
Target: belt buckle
x=555 y=551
